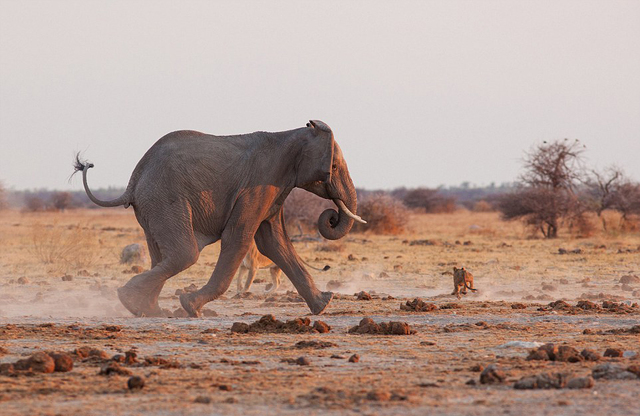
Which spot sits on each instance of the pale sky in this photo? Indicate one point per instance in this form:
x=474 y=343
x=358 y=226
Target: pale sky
x=418 y=93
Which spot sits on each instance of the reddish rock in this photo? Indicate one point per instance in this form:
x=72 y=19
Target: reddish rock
x=581 y=383
x=363 y=296
x=590 y=355
x=39 y=362
x=321 y=327
x=568 y=354
x=418 y=305
x=135 y=383
x=492 y=375
x=354 y=358
x=542 y=381
x=63 y=361
x=114 y=368
x=613 y=352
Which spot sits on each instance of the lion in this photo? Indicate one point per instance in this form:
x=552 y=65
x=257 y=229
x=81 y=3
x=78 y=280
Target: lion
x=253 y=261
x=462 y=280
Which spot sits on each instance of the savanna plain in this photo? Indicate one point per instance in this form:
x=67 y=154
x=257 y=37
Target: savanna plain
x=60 y=271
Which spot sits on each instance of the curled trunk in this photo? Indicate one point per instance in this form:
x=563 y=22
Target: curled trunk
x=333 y=224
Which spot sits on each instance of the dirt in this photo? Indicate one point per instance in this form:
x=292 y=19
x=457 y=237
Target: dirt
x=368 y=326
x=183 y=366
x=418 y=305
x=269 y=324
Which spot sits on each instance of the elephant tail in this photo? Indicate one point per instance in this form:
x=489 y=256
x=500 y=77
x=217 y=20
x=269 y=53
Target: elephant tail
x=84 y=166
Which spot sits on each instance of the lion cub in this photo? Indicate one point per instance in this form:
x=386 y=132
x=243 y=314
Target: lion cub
x=462 y=280
x=253 y=261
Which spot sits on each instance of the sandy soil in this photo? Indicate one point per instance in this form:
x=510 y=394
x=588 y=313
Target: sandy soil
x=210 y=370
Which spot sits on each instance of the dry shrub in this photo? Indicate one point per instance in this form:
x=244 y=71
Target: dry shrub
x=582 y=226
x=482 y=206
x=64 y=247
x=429 y=200
x=383 y=213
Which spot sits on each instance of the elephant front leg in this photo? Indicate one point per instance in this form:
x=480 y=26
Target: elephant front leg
x=231 y=255
x=273 y=242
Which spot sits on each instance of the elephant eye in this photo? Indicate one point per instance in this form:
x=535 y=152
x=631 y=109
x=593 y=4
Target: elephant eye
x=334 y=166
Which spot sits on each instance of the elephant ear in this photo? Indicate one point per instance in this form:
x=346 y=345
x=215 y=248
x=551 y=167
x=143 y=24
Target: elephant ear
x=316 y=157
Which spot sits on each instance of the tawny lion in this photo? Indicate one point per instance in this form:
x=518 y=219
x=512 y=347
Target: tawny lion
x=462 y=280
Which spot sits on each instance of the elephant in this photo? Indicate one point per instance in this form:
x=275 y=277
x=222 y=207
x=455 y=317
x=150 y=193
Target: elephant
x=191 y=189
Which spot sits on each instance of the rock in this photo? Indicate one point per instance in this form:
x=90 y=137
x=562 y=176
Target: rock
x=240 y=327
x=518 y=306
x=492 y=375
x=131 y=357
x=180 y=313
x=635 y=369
x=418 y=305
x=379 y=396
x=67 y=278
x=137 y=269
x=363 y=296
x=6 y=369
x=354 y=358
x=113 y=368
x=559 y=305
x=587 y=305
x=568 y=354
x=538 y=355
x=202 y=400
x=91 y=354
x=542 y=381
x=610 y=371
x=321 y=327
x=581 y=383
x=269 y=324
x=613 y=352
x=209 y=313
x=303 y=361
x=23 y=280
x=629 y=279
x=63 y=361
x=590 y=355
x=314 y=344
x=549 y=288
x=133 y=253
x=135 y=383
x=368 y=326
x=40 y=362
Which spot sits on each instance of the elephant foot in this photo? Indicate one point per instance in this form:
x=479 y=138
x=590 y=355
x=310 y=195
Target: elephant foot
x=189 y=304
x=138 y=303
x=321 y=303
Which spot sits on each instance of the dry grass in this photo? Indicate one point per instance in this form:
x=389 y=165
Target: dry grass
x=71 y=247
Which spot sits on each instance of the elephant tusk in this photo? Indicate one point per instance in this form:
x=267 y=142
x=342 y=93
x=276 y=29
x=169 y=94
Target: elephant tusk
x=350 y=214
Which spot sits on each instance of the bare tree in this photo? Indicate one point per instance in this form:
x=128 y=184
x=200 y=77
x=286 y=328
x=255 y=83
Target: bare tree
x=34 y=203
x=61 y=200
x=603 y=188
x=3 y=196
x=547 y=193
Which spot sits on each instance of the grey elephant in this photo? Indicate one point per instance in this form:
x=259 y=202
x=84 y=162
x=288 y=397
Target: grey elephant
x=192 y=189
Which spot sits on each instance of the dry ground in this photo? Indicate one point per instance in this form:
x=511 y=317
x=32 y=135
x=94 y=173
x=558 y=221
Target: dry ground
x=214 y=371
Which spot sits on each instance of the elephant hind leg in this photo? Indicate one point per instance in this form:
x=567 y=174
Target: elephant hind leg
x=172 y=253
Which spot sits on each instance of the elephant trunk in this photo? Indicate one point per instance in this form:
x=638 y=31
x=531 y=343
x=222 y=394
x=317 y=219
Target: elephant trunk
x=335 y=225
